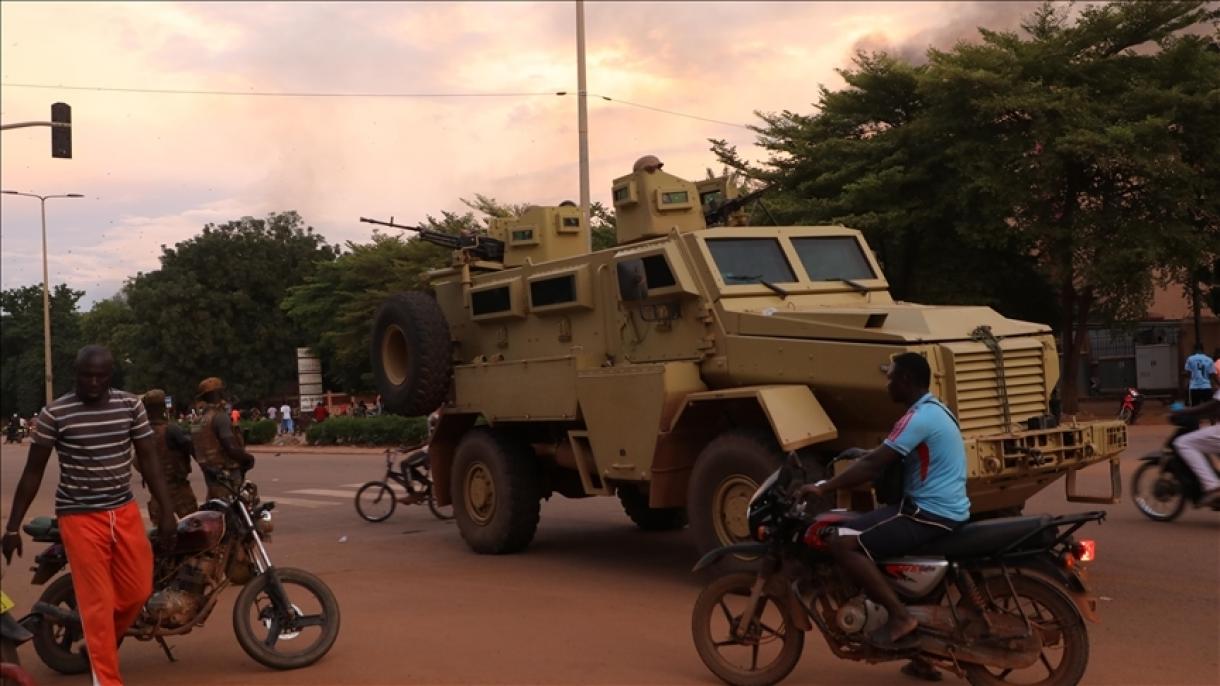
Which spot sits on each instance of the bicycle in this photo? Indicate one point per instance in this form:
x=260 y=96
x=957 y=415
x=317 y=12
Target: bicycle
x=376 y=501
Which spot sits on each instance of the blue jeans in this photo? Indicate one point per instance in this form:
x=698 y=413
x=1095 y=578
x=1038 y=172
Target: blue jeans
x=286 y=425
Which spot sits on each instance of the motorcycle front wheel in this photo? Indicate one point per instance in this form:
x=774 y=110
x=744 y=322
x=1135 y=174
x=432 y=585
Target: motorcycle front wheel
x=292 y=637
x=762 y=654
x=1158 y=495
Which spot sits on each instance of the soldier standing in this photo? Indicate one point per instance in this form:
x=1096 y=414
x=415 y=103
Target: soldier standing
x=174 y=451
x=217 y=445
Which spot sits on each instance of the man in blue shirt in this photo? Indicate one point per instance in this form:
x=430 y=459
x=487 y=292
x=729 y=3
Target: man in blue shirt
x=929 y=445
x=1200 y=368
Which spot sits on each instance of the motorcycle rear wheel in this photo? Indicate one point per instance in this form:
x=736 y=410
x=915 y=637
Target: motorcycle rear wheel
x=721 y=605
x=264 y=634
x=1056 y=617
x=60 y=647
x=1158 y=495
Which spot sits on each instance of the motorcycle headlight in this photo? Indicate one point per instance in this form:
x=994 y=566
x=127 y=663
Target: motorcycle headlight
x=263 y=525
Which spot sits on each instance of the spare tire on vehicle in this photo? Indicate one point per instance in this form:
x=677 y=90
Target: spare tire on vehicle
x=411 y=354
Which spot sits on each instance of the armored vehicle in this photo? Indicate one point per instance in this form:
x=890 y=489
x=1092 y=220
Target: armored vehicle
x=677 y=368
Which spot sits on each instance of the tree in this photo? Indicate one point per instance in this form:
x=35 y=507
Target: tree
x=112 y=323
x=213 y=308
x=22 y=387
x=1079 y=157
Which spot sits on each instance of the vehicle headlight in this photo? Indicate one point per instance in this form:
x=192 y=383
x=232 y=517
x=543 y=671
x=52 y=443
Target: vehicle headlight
x=264 y=526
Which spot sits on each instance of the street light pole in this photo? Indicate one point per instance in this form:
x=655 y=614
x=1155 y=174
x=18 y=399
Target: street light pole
x=582 y=114
x=46 y=289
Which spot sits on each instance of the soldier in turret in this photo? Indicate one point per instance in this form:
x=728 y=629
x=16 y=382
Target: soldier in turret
x=217 y=445
x=174 y=452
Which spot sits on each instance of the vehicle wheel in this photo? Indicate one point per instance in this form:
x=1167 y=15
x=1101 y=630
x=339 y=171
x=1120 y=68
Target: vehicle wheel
x=442 y=513
x=1125 y=415
x=496 y=492
x=767 y=652
x=375 y=501
x=293 y=639
x=635 y=504
x=1065 y=642
x=1158 y=494
x=411 y=354
x=61 y=647
x=726 y=474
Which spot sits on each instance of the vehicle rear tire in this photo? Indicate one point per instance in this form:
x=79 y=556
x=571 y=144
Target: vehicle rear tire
x=635 y=504
x=496 y=491
x=719 y=601
x=411 y=354
x=1061 y=625
x=726 y=474
x=1150 y=487
x=60 y=647
x=375 y=501
x=248 y=612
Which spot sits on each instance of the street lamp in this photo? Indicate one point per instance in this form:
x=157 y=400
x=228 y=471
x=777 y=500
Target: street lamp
x=46 y=293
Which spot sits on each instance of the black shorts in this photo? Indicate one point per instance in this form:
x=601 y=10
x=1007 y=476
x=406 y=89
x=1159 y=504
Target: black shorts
x=1198 y=396
x=895 y=530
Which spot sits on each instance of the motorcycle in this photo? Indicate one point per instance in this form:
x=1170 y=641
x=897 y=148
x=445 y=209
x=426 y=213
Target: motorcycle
x=1164 y=483
x=220 y=545
x=1132 y=403
x=998 y=598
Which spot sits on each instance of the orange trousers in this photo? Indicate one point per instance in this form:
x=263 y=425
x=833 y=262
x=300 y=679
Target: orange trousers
x=112 y=567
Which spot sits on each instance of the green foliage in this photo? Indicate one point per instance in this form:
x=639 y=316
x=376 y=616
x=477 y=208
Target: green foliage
x=258 y=432
x=213 y=308
x=22 y=388
x=384 y=429
x=112 y=323
x=1073 y=166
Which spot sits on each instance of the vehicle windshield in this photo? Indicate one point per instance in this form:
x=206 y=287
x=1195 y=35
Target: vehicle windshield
x=833 y=258
x=750 y=260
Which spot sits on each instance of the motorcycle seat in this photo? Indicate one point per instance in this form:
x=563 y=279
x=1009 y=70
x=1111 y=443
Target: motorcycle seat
x=43 y=529
x=976 y=539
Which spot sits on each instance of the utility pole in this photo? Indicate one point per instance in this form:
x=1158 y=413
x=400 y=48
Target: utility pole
x=582 y=114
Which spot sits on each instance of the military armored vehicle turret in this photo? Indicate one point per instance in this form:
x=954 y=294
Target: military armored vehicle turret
x=676 y=369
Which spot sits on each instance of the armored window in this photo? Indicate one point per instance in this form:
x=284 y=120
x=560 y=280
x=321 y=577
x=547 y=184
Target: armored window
x=553 y=291
x=674 y=198
x=491 y=301
x=750 y=260
x=833 y=258
x=571 y=222
x=657 y=273
x=637 y=277
x=523 y=235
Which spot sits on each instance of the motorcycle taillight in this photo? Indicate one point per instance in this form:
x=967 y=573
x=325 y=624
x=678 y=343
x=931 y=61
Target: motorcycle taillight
x=1085 y=550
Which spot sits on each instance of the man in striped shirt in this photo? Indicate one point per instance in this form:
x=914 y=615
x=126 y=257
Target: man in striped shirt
x=93 y=430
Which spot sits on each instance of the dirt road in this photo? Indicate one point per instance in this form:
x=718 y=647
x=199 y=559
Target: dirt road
x=594 y=601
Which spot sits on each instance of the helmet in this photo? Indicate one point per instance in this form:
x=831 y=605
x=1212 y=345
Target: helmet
x=154 y=397
x=212 y=383
x=648 y=163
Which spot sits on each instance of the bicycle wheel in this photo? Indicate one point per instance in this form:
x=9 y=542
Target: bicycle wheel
x=442 y=513
x=375 y=501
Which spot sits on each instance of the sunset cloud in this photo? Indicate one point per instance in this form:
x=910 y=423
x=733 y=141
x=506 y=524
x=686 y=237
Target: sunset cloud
x=156 y=167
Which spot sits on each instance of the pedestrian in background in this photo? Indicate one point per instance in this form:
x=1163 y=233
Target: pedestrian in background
x=271 y=413
x=286 y=418
x=1200 y=368
x=93 y=430
x=320 y=413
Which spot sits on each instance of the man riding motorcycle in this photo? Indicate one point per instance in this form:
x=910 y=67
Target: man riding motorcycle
x=1194 y=447
x=928 y=444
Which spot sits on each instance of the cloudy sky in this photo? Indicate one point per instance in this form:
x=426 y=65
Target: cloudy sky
x=156 y=167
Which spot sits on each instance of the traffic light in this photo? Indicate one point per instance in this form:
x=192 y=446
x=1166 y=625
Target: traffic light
x=61 y=136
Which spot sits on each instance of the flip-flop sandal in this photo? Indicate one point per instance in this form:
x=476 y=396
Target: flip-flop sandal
x=922 y=671
x=880 y=638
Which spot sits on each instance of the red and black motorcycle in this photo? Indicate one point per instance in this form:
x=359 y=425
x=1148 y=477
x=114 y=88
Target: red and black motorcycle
x=284 y=618
x=998 y=601
x=1129 y=408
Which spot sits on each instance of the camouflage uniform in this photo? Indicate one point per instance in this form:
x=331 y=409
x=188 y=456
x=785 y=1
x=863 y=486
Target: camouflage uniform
x=173 y=453
x=208 y=450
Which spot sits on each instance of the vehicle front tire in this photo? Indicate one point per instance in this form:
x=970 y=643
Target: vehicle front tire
x=252 y=612
x=726 y=474
x=411 y=354
x=635 y=504
x=496 y=491
x=715 y=616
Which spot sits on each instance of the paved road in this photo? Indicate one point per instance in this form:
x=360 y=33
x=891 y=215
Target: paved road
x=594 y=601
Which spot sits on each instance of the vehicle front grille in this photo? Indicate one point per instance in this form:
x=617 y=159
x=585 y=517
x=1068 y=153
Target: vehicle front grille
x=979 y=402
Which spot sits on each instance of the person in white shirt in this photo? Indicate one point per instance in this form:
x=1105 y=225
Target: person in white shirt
x=285 y=419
